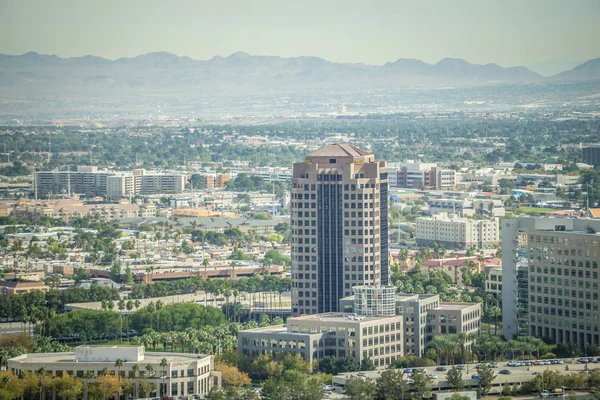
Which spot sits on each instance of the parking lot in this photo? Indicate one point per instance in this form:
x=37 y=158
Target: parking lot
x=517 y=373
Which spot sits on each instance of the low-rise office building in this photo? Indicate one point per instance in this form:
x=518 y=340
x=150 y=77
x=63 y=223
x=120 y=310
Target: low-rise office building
x=457 y=233
x=340 y=335
x=376 y=324
x=185 y=374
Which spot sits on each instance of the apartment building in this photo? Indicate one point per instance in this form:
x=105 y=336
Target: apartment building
x=524 y=264
x=185 y=374
x=339 y=224
x=213 y=181
x=89 y=181
x=493 y=279
x=162 y=183
x=85 y=180
x=457 y=233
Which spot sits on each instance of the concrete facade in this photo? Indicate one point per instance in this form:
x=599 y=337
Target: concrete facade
x=563 y=286
x=457 y=233
x=185 y=374
x=516 y=265
x=339 y=224
x=337 y=335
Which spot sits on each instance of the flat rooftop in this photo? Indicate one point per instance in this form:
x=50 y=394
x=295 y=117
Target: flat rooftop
x=454 y=306
x=69 y=358
x=338 y=317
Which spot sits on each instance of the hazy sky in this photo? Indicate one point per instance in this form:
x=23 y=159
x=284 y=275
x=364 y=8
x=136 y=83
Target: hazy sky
x=508 y=32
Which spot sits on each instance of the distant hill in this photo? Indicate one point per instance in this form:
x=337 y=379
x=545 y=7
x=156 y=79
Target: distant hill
x=589 y=70
x=40 y=74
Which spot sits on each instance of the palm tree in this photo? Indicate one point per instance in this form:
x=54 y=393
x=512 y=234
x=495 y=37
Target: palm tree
x=149 y=271
x=121 y=307
x=41 y=373
x=150 y=372
x=136 y=372
x=119 y=365
x=164 y=364
x=495 y=312
x=89 y=375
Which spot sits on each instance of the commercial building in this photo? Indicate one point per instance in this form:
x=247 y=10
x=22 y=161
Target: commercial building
x=454 y=232
x=340 y=335
x=421 y=175
x=563 y=286
x=376 y=324
x=339 y=224
x=185 y=374
x=424 y=316
x=468 y=207
x=591 y=154
x=567 y=252
x=18 y=287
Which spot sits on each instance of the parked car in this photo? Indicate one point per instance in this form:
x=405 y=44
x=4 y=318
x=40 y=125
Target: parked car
x=460 y=367
x=432 y=376
x=441 y=368
x=407 y=371
x=505 y=372
x=477 y=377
x=493 y=365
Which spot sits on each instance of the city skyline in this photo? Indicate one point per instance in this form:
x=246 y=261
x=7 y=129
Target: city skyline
x=538 y=35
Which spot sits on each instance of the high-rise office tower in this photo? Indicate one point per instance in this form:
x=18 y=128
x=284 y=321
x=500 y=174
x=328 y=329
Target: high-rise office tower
x=550 y=279
x=339 y=227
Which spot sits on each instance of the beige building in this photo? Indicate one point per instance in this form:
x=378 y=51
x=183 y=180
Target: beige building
x=339 y=223
x=450 y=318
x=376 y=324
x=563 y=286
x=454 y=232
x=493 y=279
x=185 y=374
x=340 y=335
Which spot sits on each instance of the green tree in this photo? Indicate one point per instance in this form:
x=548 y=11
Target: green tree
x=68 y=387
x=422 y=384
x=455 y=379
x=486 y=378
x=391 y=385
x=360 y=389
x=291 y=386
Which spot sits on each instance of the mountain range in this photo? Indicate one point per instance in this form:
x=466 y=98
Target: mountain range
x=35 y=73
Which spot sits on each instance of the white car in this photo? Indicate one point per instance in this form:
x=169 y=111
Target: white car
x=432 y=376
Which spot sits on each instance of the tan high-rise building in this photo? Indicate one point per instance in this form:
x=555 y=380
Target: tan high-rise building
x=339 y=227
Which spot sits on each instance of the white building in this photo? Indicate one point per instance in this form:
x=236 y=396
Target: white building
x=185 y=374
x=455 y=232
